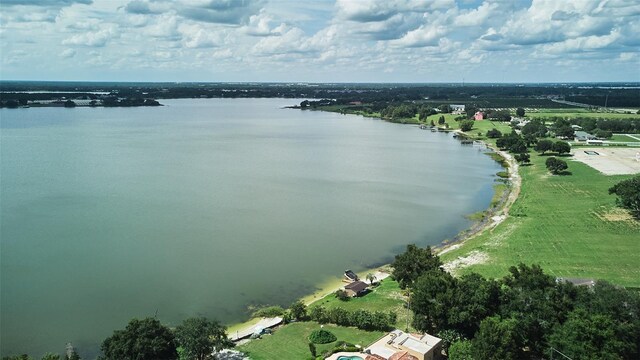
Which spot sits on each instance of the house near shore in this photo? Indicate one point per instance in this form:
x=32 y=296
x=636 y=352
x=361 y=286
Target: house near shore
x=398 y=345
x=356 y=288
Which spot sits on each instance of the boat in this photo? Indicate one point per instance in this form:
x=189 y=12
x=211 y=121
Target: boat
x=350 y=276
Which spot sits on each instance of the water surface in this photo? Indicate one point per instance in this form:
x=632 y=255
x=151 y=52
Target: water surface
x=205 y=207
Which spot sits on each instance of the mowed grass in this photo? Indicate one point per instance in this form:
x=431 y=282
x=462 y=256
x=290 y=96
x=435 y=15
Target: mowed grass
x=385 y=297
x=624 y=138
x=567 y=224
x=292 y=341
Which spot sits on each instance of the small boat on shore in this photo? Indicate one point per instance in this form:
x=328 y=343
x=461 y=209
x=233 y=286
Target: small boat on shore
x=350 y=276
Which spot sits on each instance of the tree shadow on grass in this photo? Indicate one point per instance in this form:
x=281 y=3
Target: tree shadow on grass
x=564 y=173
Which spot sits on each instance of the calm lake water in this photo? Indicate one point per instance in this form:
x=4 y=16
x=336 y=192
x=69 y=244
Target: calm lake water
x=205 y=207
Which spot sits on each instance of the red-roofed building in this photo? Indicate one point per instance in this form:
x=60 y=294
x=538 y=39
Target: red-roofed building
x=478 y=116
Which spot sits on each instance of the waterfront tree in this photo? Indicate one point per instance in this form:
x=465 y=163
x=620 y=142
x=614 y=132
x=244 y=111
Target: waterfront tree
x=371 y=278
x=466 y=125
x=200 y=337
x=298 y=310
x=145 y=339
x=50 y=356
x=523 y=158
x=414 y=262
x=494 y=133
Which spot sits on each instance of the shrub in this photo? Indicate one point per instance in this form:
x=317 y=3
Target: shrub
x=269 y=311
x=322 y=337
x=466 y=125
x=494 y=133
x=342 y=295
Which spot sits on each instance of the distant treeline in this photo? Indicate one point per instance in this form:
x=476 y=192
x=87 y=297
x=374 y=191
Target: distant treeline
x=485 y=95
x=614 y=99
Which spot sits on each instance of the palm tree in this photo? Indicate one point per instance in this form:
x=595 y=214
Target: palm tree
x=371 y=278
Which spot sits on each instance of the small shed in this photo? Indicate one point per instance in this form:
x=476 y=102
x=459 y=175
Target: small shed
x=356 y=288
x=478 y=115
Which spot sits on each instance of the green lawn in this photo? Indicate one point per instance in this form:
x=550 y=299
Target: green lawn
x=624 y=138
x=567 y=224
x=385 y=297
x=291 y=341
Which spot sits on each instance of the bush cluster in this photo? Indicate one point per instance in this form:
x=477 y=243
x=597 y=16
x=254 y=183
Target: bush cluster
x=322 y=337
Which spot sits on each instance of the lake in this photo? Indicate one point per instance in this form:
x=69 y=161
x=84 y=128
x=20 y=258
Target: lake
x=207 y=207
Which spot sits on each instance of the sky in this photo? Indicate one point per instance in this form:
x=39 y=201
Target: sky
x=320 y=40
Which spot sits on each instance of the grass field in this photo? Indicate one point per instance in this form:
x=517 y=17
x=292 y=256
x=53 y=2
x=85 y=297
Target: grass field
x=567 y=224
x=291 y=341
x=624 y=138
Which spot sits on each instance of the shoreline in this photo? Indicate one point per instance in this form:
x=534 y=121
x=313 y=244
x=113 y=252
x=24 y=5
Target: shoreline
x=495 y=215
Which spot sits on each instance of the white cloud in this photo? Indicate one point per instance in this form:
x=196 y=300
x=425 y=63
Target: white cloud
x=67 y=53
x=370 y=40
x=92 y=39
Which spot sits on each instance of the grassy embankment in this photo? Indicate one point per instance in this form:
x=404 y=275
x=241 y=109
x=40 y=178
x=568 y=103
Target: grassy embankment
x=567 y=224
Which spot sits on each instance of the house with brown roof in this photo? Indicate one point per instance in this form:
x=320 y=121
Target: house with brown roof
x=398 y=345
x=356 y=288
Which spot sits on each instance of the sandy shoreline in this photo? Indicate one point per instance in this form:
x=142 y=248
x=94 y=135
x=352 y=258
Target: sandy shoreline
x=498 y=214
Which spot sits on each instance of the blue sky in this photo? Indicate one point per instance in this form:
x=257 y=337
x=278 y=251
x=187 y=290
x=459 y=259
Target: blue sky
x=320 y=40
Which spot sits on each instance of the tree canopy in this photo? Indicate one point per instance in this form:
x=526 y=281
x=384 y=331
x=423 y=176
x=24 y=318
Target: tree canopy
x=555 y=165
x=200 y=337
x=145 y=339
x=415 y=261
x=628 y=192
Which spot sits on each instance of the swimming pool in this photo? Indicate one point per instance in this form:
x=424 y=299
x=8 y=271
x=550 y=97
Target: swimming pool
x=350 y=358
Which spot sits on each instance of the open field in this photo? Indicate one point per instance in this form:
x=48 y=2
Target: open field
x=610 y=161
x=291 y=341
x=584 y=113
x=624 y=138
x=567 y=224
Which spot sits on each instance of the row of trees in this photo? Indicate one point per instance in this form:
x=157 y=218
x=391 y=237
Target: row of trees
x=362 y=319
x=521 y=316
